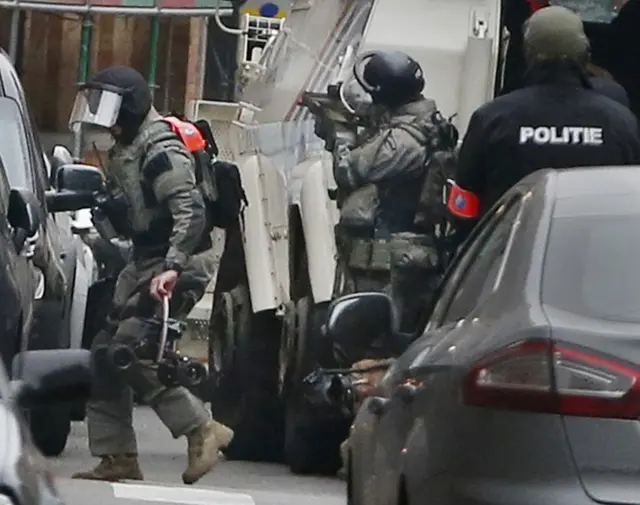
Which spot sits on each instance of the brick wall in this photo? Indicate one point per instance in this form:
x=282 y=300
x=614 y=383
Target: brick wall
x=52 y=48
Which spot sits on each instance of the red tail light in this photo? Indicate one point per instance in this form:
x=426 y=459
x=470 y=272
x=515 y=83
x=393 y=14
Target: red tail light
x=540 y=376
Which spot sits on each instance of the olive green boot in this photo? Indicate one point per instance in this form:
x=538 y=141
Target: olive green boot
x=205 y=443
x=113 y=468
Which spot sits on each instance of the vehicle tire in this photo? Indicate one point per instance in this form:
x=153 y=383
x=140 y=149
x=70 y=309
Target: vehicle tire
x=50 y=427
x=312 y=440
x=245 y=390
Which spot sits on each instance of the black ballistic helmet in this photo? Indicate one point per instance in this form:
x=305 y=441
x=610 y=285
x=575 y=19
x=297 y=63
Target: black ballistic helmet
x=136 y=97
x=392 y=78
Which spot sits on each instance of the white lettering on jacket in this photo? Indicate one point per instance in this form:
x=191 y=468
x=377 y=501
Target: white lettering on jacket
x=564 y=135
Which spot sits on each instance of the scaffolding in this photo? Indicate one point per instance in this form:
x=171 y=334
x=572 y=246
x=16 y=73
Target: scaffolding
x=155 y=9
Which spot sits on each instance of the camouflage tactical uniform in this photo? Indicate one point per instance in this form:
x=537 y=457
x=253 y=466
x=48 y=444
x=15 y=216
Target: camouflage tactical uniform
x=167 y=217
x=380 y=181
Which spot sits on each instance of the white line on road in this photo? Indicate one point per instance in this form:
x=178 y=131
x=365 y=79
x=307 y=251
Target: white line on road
x=179 y=495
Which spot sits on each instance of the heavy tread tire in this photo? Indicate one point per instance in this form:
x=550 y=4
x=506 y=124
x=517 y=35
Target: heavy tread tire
x=50 y=427
x=246 y=397
x=312 y=444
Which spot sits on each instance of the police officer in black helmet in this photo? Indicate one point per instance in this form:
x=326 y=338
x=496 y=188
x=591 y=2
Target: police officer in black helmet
x=380 y=178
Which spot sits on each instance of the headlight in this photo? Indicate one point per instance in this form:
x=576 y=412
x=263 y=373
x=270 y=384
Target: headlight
x=40 y=286
x=5 y=500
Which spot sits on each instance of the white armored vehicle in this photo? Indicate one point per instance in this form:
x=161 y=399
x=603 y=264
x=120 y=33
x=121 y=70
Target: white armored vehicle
x=278 y=272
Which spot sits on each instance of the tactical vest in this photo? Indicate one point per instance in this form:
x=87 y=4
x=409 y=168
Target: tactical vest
x=133 y=211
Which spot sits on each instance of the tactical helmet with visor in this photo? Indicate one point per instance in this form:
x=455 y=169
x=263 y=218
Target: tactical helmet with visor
x=96 y=104
x=390 y=78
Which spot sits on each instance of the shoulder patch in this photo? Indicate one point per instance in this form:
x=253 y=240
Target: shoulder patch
x=156 y=165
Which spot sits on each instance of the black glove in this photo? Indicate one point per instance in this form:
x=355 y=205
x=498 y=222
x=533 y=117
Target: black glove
x=325 y=129
x=320 y=126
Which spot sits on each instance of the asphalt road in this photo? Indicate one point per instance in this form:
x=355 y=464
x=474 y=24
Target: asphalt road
x=163 y=459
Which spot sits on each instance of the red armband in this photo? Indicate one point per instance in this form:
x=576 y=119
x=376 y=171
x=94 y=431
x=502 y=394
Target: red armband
x=463 y=203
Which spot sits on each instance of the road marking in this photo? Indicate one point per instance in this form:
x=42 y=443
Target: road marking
x=179 y=494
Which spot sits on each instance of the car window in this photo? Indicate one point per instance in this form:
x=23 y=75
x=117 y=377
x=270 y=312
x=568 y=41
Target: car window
x=33 y=139
x=14 y=151
x=5 y=189
x=483 y=267
x=591 y=264
x=5 y=390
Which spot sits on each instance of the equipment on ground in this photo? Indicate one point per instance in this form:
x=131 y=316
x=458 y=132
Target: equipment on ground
x=157 y=345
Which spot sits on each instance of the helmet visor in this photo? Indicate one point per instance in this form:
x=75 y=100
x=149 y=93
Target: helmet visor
x=95 y=106
x=353 y=96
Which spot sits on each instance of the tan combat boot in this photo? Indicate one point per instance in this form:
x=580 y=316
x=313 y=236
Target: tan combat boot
x=113 y=469
x=205 y=443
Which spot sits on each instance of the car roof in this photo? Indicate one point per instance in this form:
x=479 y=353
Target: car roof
x=5 y=68
x=598 y=181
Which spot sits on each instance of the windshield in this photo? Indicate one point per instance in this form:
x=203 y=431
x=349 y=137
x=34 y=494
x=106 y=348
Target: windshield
x=592 y=263
x=4 y=381
x=13 y=146
x=594 y=11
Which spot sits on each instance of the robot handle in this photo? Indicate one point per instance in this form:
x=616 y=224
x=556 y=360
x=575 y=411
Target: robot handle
x=165 y=327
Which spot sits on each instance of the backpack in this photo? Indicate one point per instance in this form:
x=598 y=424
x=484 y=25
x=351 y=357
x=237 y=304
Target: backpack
x=439 y=168
x=219 y=181
x=432 y=215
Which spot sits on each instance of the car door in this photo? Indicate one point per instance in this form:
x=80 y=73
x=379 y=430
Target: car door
x=55 y=252
x=467 y=285
x=374 y=420
x=17 y=284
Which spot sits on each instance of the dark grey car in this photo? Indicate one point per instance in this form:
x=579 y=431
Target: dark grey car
x=63 y=264
x=525 y=385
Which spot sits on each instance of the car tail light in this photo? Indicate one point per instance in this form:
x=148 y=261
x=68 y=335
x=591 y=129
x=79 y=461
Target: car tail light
x=542 y=376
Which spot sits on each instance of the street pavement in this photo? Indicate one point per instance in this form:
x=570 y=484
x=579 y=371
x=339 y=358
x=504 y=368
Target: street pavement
x=163 y=459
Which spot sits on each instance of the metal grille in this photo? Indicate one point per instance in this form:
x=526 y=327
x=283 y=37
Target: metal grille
x=221 y=133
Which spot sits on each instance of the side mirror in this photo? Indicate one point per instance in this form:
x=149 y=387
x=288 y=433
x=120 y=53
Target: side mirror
x=77 y=186
x=24 y=211
x=60 y=156
x=50 y=377
x=24 y=218
x=79 y=178
x=355 y=321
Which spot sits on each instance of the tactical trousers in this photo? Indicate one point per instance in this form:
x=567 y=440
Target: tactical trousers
x=414 y=277
x=110 y=418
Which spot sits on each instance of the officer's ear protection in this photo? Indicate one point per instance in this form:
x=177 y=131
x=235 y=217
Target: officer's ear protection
x=358 y=73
